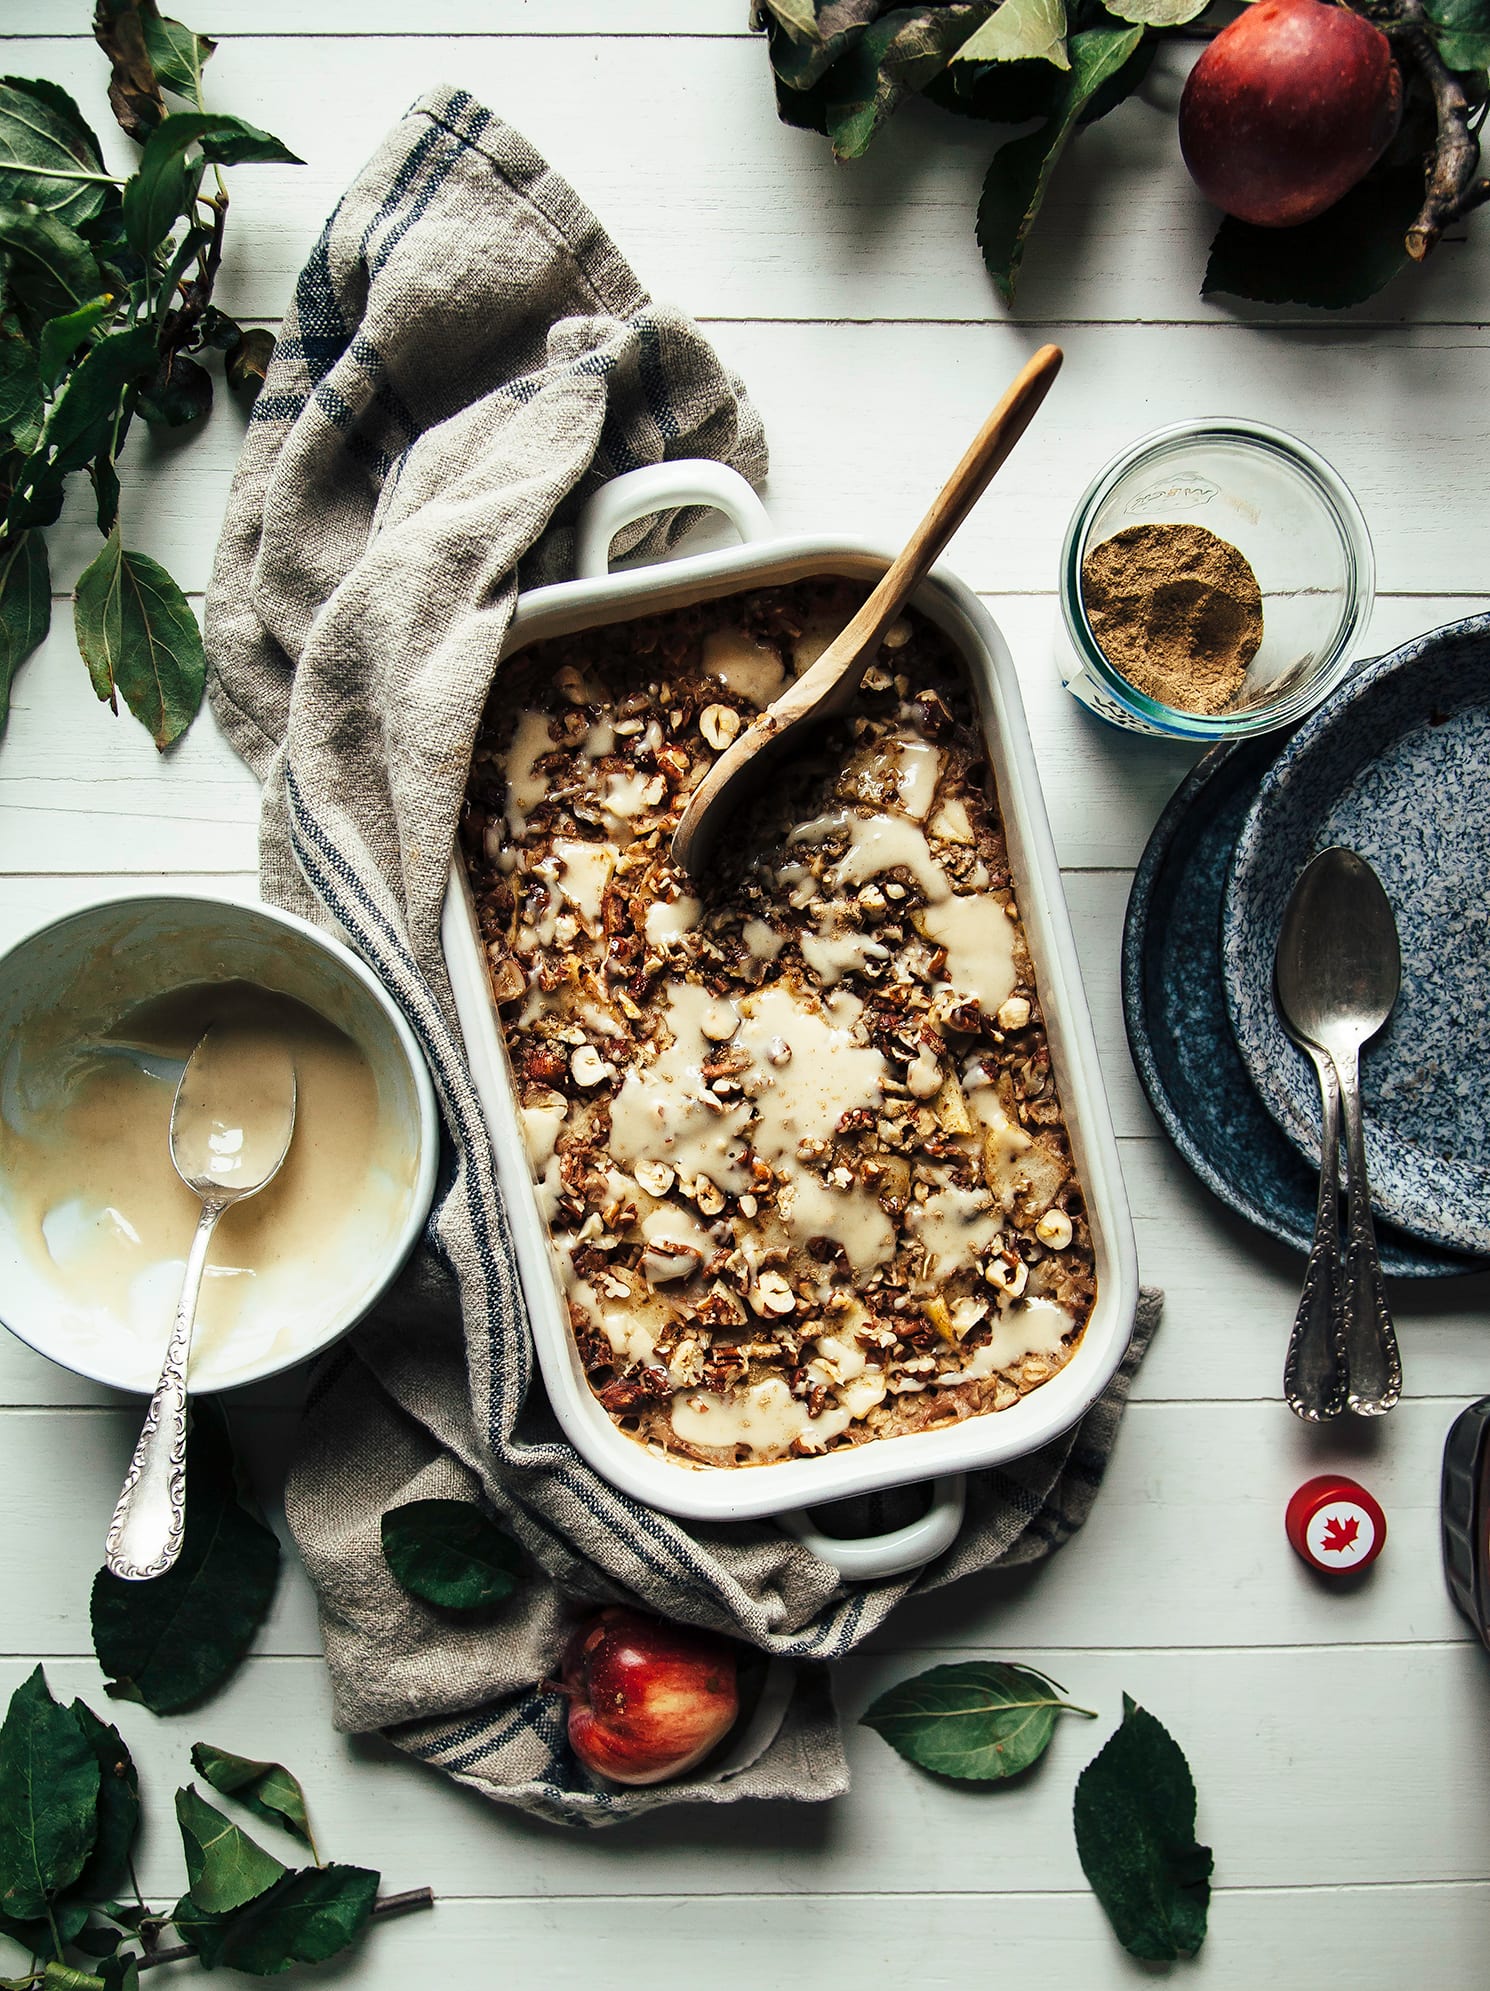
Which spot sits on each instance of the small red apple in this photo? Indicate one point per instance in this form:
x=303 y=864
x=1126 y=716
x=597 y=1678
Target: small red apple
x=647 y=1699
x=1287 y=109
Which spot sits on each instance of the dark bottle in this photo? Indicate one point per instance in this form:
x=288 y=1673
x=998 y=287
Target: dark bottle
x=1466 y=1514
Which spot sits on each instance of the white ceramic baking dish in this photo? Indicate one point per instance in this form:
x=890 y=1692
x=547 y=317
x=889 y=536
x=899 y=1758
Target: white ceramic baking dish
x=785 y=1490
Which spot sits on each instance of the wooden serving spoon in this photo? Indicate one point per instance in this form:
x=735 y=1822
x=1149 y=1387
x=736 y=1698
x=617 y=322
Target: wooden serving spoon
x=829 y=685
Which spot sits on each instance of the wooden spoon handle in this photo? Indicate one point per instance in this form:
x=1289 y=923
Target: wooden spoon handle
x=951 y=505
x=829 y=684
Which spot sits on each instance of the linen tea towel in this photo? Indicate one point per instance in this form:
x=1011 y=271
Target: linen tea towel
x=467 y=358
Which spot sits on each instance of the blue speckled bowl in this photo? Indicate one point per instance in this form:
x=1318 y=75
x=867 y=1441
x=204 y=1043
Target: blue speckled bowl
x=1179 y=1031
x=1396 y=765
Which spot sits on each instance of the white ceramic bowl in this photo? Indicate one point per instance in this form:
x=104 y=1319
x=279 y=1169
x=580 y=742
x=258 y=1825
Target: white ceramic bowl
x=97 y=964
x=941 y=1455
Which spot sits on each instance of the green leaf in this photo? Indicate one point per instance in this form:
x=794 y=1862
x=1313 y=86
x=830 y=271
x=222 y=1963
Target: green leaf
x=22 y=407
x=120 y=1973
x=165 y=187
x=138 y=635
x=1020 y=174
x=47 y=152
x=107 y=1867
x=224 y=1867
x=1342 y=257
x=177 y=55
x=61 y=337
x=48 y=1799
x=1461 y=29
x=36 y=1937
x=50 y=267
x=62 y=1977
x=1023 y=31
x=999 y=92
x=266 y=1789
x=813 y=37
x=450 y=1553
x=120 y=267
x=220 y=331
x=899 y=55
x=134 y=94
x=247 y=363
x=174 y=1640
x=25 y=608
x=166 y=184
x=1157 y=13
x=225 y=141
x=1135 y=1833
x=309 y=1916
x=98 y=1940
x=982 y=1721
x=105 y=488
x=81 y=420
x=184 y=395
x=37 y=500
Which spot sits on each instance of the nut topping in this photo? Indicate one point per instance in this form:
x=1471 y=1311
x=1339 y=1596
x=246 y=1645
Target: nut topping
x=798 y=1138
x=587 y=1067
x=719 y=724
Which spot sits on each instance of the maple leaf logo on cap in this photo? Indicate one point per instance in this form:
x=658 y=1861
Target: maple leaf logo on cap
x=1340 y=1535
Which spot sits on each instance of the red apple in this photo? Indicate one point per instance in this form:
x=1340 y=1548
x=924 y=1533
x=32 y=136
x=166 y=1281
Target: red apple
x=1287 y=109
x=647 y=1699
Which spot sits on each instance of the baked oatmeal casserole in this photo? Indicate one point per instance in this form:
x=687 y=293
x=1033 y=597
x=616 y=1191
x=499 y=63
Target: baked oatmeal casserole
x=799 y=1148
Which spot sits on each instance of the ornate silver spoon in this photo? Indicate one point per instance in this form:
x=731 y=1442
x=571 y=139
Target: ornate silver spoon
x=1337 y=973
x=231 y=1124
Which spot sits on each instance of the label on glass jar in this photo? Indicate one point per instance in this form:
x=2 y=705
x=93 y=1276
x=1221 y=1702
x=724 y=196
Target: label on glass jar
x=1095 y=695
x=1180 y=494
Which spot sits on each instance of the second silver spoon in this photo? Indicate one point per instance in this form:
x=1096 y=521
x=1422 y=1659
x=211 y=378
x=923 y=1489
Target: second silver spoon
x=1337 y=973
x=231 y=1124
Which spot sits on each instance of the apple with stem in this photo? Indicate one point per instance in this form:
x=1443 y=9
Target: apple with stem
x=1287 y=109
x=648 y=1699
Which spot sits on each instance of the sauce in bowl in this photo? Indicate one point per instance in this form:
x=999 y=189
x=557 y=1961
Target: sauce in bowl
x=97 y=1207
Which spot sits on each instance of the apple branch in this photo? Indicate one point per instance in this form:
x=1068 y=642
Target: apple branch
x=1452 y=187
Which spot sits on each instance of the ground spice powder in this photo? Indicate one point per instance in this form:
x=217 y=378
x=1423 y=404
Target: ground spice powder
x=1177 y=611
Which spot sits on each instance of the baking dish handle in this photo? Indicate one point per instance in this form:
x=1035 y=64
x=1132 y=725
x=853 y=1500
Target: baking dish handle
x=663 y=487
x=869 y=1558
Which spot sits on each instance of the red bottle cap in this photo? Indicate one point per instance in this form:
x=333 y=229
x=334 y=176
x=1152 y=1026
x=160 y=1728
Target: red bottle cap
x=1335 y=1524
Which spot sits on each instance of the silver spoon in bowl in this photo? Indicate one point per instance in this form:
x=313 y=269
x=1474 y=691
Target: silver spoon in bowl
x=1337 y=973
x=231 y=1125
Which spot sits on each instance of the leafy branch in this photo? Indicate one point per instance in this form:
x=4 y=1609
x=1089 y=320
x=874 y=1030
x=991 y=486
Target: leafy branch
x=844 y=67
x=69 y=1816
x=106 y=291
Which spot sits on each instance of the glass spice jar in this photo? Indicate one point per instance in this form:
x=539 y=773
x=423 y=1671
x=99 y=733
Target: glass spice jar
x=1283 y=507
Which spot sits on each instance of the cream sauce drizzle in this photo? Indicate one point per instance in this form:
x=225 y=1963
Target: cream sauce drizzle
x=670 y=919
x=586 y=870
x=629 y=795
x=979 y=938
x=954 y=1225
x=951 y=822
x=978 y=935
x=763 y=941
x=1029 y=1327
x=541 y=1124
x=920 y=767
x=660 y=1115
x=765 y=1418
x=832 y=953
x=525 y=789
x=743 y=666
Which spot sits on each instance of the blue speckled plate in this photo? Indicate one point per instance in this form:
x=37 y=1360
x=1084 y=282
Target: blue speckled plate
x=1396 y=765
x=1179 y=1030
